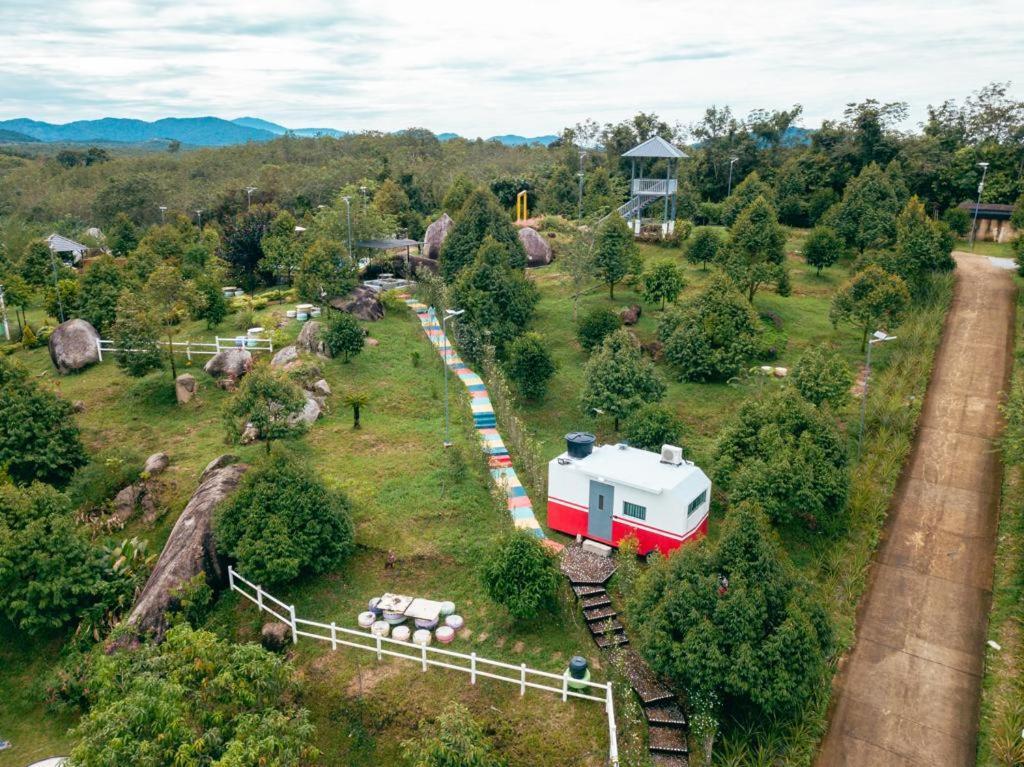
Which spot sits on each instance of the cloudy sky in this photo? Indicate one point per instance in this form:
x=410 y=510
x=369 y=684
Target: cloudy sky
x=482 y=67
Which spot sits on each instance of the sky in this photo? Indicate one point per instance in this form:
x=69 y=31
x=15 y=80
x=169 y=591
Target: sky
x=482 y=68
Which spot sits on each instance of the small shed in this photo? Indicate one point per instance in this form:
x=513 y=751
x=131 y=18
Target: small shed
x=611 y=491
x=993 y=221
x=70 y=252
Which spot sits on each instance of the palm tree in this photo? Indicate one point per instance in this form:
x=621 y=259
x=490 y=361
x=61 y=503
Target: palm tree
x=356 y=401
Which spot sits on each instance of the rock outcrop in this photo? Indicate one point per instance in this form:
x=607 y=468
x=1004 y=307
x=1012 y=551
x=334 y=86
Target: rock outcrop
x=185 y=388
x=230 y=363
x=310 y=339
x=538 y=251
x=435 y=236
x=156 y=464
x=361 y=303
x=309 y=413
x=190 y=550
x=74 y=345
x=284 y=357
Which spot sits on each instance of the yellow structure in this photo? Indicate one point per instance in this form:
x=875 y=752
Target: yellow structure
x=521 y=212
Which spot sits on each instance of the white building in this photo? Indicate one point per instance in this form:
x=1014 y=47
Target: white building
x=612 y=491
x=70 y=252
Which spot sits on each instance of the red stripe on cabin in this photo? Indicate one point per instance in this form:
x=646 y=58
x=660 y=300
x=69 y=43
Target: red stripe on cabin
x=572 y=519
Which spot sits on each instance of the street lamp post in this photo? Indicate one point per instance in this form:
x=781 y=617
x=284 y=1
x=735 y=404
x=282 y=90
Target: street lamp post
x=163 y=209
x=3 y=315
x=348 y=215
x=56 y=286
x=449 y=314
x=199 y=216
x=248 y=196
x=879 y=336
x=366 y=194
x=579 y=203
x=981 y=188
x=732 y=161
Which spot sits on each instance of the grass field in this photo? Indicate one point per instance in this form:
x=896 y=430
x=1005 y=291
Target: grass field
x=433 y=509
x=986 y=248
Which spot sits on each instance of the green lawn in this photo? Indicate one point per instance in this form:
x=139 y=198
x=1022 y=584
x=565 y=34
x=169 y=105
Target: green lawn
x=986 y=248
x=433 y=509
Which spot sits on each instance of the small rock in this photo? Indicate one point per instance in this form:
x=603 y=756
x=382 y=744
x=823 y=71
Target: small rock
x=234 y=362
x=249 y=434
x=155 y=464
x=322 y=388
x=228 y=384
x=653 y=349
x=185 y=388
x=631 y=314
x=284 y=357
x=309 y=413
x=125 y=503
x=219 y=463
x=78 y=406
x=372 y=341
x=275 y=636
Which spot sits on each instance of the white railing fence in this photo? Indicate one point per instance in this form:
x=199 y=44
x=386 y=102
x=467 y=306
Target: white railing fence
x=427 y=656
x=196 y=348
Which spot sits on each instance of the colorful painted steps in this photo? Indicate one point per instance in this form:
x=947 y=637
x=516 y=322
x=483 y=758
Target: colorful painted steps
x=484 y=421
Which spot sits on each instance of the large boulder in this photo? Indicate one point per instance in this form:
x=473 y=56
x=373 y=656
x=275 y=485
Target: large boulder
x=435 y=235
x=231 y=363
x=74 y=345
x=275 y=636
x=310 y=339
x=156 y=464
x=362 y=303
x=190 y=550
x=538 y=251
x=309 y=413
x=185 y=388
x=631 y=314
x=285 y=357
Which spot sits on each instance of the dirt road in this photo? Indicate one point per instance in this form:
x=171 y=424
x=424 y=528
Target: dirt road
x=908 y=693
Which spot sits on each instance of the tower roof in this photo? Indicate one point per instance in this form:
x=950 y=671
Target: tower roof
x=655 y=146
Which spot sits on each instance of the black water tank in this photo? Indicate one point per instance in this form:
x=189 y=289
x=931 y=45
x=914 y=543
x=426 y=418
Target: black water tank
x=578 y=667
x=579 y=444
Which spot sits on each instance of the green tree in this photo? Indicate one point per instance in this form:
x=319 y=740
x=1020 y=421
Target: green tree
x=167 y=296
x=822 y=376
x=192 y=699
x=39 y=439
x=615 y=255
x=243 y=242
x=652 y=426
x=356 y=400
x=101 y=286
x=479 y=218
x=756 y=254
x=495 y=296
x=785 y=454
x=37 y=267
x=576 y=260
x=923 y=246
x=136 y=332
x=282 y=247
x=958 y=220
x=712 y=337
x=344 y=336
x=734 y=624
x=530 y=366
x=618 y=380
x=326 y=271
x=269 y=402
x=520 y=575
x=596 y=325
x=822 y=248
x=62 y=302
x=209 y=303
x=50 y=572
x=284 y=522
x=871 y=298
x=866 y=216
x=390 y=198
x=457 y=194
x=743 y=195
x=454 y=739
x=663 y=282
x=122 y=236
x=704 y=246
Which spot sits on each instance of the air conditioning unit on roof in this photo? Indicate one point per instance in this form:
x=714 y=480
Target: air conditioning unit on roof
x=672 y=455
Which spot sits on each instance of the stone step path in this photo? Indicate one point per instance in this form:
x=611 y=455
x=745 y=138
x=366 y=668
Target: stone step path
x=485 y=423
x=667 y=727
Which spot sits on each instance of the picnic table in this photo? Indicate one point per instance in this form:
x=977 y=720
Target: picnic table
x=411 y=607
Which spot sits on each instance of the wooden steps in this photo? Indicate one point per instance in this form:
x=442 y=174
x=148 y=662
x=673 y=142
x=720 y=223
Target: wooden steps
x=606 y=627
x=605 y=641
x=666 y=714
x=596 y=600
x=670 y=760
x=667 y=740
x=598 y=613
x=587 y=591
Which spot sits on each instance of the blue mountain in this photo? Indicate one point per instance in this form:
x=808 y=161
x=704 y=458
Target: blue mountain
x=197 y=131
x=13 y=137
x=280 y=130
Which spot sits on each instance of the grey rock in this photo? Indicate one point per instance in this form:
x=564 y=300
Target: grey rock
x=309 y=339
x=233 y=363
x=156 y=464
x=185 y=388
x=249 y=434
x=322 y=388
x=73 y=346
x=78 y=406
x=631 y=314
x=538 y=251
x=218 y=463
x=435 y=236
x=275 y=636
x=309 y=413
x=361 y=303
x=126 y=502
x=285 y=357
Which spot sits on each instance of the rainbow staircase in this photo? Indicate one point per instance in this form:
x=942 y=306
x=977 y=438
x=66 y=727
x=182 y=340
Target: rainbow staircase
x=484 y=421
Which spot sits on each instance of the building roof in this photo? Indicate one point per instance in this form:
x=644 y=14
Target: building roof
x=61 y=244
x=386 y=244
x=987 y=209
x=655 y=146
x=632 y=467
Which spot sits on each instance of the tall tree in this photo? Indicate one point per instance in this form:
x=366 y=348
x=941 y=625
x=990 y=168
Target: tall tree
x=756 y=254
x=866 y=216
x=243 y=242
x=871 y=298
x=168 y=297
x=479 y=218
x=269 y=403
x=615 y=254
x=282 y=247
x=619 y=379
x=743 y=195
x=822 y=248
x=122 y=236
x=663 y=282
x=101 y=285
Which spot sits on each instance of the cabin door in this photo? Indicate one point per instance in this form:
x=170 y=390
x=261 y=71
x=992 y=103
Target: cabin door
x=599 y=523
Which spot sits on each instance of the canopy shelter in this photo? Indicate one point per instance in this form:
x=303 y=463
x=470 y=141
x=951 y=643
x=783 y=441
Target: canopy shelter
x=69 y=251
x=389 y=244
x=643 y=191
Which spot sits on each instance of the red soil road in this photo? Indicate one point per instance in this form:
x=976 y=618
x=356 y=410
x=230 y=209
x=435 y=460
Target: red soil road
x=908 y=693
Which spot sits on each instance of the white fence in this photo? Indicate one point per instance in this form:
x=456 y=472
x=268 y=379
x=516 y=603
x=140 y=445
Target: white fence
x=426 y=656
x=196 y=348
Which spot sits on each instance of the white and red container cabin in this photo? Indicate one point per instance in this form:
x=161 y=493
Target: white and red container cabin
x=611 y=491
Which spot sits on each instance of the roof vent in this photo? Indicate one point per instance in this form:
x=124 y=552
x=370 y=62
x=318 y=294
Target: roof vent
x=672 y=455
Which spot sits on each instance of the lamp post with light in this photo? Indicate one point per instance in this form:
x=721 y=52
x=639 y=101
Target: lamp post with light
x=732 y=161
x=981 y=188
x=878 y=337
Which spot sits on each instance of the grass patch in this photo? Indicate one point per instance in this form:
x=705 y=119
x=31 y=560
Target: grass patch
x=986 y=248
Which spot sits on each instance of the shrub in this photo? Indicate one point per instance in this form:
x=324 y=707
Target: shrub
x=958 y=220
x=268 y=401
x=871 y=298
x=822 y=248
x=520 y=575
x=103 y=477
x=653 y=426
x=618 y=380
x=454 y=739
x=284 y=522
x=595 y=326
x=530 y=365
x=343 y=336
x=704 y=247
x=39 y=439
x=821 y=376
x=662 y=283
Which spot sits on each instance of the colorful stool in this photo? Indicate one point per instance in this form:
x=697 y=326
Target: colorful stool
x=366 y=619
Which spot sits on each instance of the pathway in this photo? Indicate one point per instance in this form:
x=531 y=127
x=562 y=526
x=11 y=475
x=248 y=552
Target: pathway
x=909 y=691
x=484 y=420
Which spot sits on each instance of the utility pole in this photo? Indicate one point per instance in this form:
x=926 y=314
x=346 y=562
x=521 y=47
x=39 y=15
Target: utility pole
x=732 y=161
x=3 y=315
x=348 y=214
x=579 y=203
x=56 y=286
x=248 y=196
x=199 y=216
x=981 y=188
x=878 y=337
x=163 y=209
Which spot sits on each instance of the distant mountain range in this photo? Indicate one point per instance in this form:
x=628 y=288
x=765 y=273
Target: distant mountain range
x=192 y=131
